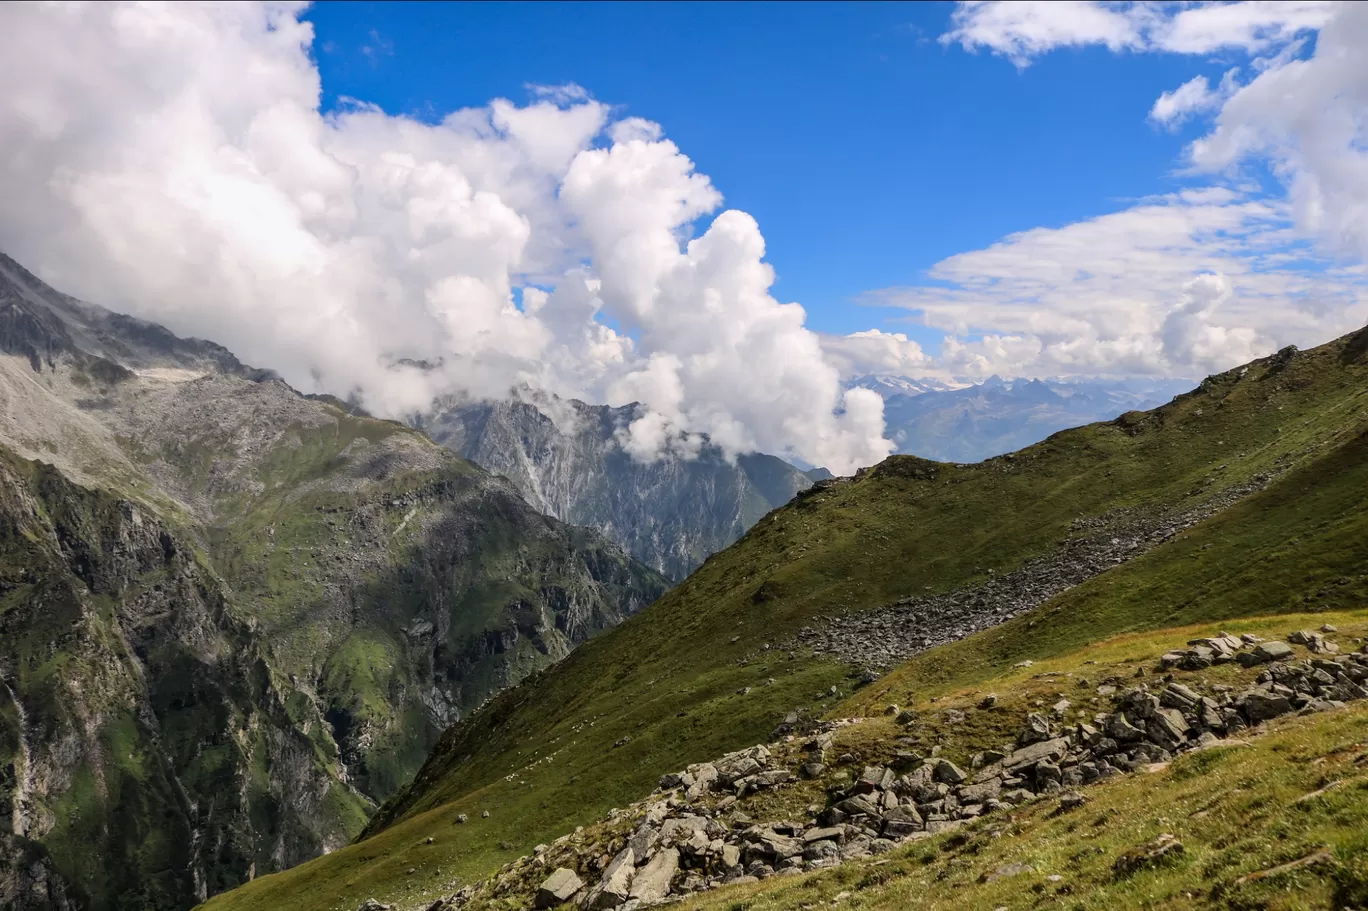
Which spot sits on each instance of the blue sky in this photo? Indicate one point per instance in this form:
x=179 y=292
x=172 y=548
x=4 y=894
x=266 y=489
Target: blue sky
x=866 y=149
x=950 y=191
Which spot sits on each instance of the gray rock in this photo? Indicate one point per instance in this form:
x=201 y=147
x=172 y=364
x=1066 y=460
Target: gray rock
x=1265 y=652
x=1168 y=728
x=949 y=773
x=1260 y=705
x=652 y=882
x=558 y=888
x=1047 y=751
x=371 y=904
x=615 y=886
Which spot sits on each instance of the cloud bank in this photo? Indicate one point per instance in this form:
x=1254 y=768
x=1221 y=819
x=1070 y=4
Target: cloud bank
x=172 y=161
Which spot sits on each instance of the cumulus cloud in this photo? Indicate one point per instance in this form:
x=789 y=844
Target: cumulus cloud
x=1115 y=294
x=874 y=351
x=1022 y=31
x=172 y=161
x=1192 y=97
x=1308 y=118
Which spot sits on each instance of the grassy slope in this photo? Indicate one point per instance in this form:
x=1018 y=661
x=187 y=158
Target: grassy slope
x=669 y=678
x=1237 y=809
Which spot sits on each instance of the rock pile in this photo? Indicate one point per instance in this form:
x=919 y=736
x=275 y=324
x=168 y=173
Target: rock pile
x=890 y=635
x=691 y=835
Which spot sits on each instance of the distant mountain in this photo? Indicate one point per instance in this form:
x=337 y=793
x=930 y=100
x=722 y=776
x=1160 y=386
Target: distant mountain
x=234 y=619
x=969 y=423
x=566 y=459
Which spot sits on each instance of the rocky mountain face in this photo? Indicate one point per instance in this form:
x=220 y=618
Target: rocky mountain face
x=566 y=458
x=975 y=421
x=234 y=619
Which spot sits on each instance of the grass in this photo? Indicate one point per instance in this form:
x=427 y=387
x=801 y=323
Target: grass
x=1240 y=809
x=544 y=756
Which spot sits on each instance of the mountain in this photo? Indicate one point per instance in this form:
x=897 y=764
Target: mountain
x=1239 y=501
x=566 y=458
x=972 y=422
x=234 y=619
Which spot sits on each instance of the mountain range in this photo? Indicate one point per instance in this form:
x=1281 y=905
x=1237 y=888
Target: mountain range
x=261 y=650
x=234 y=619
x=566 y=458
x=968 y=422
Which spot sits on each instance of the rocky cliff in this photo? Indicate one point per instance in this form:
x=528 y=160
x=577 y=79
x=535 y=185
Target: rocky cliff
x=234 y=619
x=567 y=459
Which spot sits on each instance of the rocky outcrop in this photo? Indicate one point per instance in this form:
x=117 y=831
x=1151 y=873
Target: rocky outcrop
x=695 y=834
x=567 y=458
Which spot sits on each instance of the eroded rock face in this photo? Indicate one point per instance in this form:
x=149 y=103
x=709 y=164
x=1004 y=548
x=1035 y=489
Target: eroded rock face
x=566 y=458
x=234 y=618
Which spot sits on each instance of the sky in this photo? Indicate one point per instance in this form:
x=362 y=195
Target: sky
x=725 y=212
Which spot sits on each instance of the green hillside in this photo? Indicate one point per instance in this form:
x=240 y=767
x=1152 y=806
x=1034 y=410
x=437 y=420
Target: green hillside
x=714 y=665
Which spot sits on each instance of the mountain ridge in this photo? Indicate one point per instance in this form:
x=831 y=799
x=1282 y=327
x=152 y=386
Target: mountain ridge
x=567 y=458
x=236 y=617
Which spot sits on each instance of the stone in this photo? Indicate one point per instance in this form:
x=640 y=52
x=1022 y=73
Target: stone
x=1265 y=652
x=900 y=822
x=614 y=887
x=371 y=904
x=652 y=882
x=1037 y=729
x=1168 y=727
x=731 y=856
x=1118 y=727
x=558 y=888
x=949 y=773
x=829 y=833
x=462 y=819
x=643 y=842
x=856 y=806
x=981 y=791
x=1071 y=800
x=811 y=770
x=874 y=778
x=1261 y=705
x=1047 y=751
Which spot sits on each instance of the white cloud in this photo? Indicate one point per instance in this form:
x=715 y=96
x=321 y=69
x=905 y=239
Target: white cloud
x=1115 y=295
x=1308 y=119
x=1021 y=31
x=171 y=161
x=1192 y=97
x=874 y=351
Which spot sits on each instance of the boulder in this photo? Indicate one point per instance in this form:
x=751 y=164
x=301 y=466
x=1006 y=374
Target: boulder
x=371 y=904
x=1044 y=751
x=615 y=886
x=1260 y=705
x=1168 y=728
x=1265 y=652
x=652 y=882
x=1037 y=729
x=558 y=888
x=900 y=822
x=949 y=773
